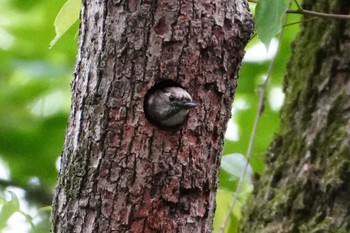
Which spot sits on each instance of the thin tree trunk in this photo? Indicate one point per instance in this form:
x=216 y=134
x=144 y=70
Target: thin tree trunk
x=119 y=173
x=306 y=187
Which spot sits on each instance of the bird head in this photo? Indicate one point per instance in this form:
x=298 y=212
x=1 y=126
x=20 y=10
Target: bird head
x=169 y=106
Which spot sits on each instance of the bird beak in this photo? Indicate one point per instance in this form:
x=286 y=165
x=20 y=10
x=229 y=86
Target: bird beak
x=189 y=105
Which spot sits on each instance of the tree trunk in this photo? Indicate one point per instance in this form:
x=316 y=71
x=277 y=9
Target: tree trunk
x=306 y=187
x=120 y=173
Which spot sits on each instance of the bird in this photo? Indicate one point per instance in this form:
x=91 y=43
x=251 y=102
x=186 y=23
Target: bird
x=168 y=107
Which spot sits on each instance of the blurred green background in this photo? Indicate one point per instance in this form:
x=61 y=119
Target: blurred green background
x=35 y=102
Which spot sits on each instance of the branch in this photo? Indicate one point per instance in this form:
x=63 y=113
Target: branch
x=260 y=109
x=313 y=13
x=319 y=14
x=297 y=3
x=299 y=22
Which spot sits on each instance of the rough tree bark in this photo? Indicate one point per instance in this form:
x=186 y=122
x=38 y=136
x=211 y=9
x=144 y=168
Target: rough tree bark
x=119 y=172
x=306 y=187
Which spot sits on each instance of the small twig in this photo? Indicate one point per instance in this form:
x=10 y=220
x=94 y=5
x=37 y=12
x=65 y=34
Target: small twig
x=302 y=11
x=319 y=14
x=296 y=3
x=249 y=153
x=263 y=88
x=300 y=21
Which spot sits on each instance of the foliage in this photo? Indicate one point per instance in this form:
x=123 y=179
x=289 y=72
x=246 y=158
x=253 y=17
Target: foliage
x=9 y=207
x=268 y=17
x=252 y=74
x=34 y=107
x=34 y=97
x=68 y=15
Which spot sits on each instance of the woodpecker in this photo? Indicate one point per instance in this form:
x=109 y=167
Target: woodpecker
x=168 y=107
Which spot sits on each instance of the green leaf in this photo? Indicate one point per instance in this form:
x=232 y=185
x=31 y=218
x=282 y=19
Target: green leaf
x=8 y=209
x=268 y=17
x=223 y=202
x=28 y=218
x=67 y=16
x=45 y=209
x=235 y=164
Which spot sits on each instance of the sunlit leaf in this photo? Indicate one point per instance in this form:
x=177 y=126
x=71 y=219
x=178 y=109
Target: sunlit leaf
x=28 y=218
x=223 y=201
x=8 y=209
x=67 y=16
x=235 y=165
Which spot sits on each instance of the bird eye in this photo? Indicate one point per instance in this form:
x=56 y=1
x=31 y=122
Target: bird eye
x=171 y=98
